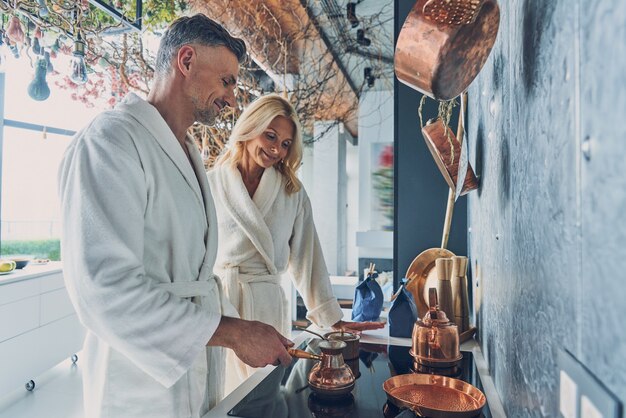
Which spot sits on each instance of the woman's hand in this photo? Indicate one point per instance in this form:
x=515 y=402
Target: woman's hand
x=357 y=327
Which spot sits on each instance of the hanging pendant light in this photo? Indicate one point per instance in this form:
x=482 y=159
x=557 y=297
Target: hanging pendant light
x=38 y=88
x=15 y=32
x=77 y=63
x=43 y=8
x=46 y=56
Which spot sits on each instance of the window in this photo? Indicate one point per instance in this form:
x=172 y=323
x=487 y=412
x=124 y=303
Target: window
x=33 y=139
x=381 y=167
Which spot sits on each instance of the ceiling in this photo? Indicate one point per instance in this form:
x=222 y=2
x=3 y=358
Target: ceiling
x=311 y=47
x=375 y=19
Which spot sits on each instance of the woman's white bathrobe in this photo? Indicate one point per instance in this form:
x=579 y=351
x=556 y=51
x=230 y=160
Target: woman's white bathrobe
x=139 y=241
x=259 y=238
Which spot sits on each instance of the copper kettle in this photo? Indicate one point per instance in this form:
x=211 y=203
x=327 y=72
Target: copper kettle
x=435 y=339
x=331 y=377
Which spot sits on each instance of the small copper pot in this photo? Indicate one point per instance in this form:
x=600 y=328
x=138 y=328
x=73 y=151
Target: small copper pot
x=440 y=60
x=332 y=377
x=351 y=351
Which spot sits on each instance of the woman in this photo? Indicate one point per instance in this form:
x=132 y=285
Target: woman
x=266 y=225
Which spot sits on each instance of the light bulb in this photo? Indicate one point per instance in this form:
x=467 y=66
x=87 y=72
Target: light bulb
x=77 y=63
x=43 y=9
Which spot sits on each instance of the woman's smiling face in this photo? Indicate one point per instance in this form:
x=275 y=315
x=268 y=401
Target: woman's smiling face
x=273 y=144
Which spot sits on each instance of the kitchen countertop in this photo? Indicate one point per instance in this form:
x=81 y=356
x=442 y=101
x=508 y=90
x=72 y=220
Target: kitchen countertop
x=380 y=336
x=31 y=271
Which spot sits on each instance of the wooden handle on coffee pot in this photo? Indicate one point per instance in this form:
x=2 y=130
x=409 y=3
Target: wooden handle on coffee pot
x=294 y=352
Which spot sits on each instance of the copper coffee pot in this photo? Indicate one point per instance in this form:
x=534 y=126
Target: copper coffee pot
x=331 y=377
x=351 y=352
x=435 y=338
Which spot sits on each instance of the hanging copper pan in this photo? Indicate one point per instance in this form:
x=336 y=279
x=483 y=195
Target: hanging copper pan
x=444 y=44
x=446 y=157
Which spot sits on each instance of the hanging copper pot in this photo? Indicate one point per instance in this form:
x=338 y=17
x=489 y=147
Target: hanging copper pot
x=444 y=44
x=446 y=151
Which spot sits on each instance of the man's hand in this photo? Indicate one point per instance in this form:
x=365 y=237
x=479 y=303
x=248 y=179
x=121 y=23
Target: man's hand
x=255 y=343
x=357 y=327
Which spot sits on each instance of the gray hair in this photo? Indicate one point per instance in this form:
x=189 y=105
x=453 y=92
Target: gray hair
x=195 y=29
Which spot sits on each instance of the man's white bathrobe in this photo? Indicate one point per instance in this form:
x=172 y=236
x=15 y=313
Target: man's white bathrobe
x=139 y=244
x=259 y=238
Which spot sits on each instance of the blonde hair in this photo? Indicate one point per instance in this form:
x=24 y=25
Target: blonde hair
x=253 y=121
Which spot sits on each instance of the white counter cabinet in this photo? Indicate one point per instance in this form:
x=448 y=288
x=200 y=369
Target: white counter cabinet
x=38 y=325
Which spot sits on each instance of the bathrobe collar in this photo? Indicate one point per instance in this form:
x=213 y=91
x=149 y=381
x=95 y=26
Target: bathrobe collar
x=151 y=119
x=268 y=189
x=209 y=205
x=250 y=213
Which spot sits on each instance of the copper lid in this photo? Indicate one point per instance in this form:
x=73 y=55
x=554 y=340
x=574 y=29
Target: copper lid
x=434 y=317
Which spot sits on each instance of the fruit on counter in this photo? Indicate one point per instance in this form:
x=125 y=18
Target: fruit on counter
x=6 y=266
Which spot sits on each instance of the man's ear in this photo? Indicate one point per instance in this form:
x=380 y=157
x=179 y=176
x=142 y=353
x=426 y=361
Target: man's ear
x=185 y=58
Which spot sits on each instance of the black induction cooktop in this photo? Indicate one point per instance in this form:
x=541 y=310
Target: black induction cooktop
x=285 y=393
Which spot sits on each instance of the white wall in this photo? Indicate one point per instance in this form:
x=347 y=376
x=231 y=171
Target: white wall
x=329 y=156
x=305 y=174
x=352 y=206
x=375 y=127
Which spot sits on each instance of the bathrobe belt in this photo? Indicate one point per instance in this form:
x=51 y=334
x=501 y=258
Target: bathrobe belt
x=204 y=286
x=207 y=284
x=236 y=281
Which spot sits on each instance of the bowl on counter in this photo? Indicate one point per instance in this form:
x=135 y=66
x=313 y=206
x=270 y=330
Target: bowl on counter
x=20 y=262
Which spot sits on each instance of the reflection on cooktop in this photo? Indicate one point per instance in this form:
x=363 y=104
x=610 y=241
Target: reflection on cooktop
x=285 y=392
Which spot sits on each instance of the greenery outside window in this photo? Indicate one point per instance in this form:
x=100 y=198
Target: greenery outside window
x=34 y=138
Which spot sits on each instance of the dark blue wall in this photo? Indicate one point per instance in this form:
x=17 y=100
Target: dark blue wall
x=548 y=225
x=420 y=191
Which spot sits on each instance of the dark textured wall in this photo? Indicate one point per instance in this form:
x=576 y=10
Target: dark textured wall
x=421 y=193
x=547 y=227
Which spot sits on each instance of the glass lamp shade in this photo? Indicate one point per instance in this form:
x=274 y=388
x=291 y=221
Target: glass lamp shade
x=78 y=69
x=38 y=88
x=43 y=8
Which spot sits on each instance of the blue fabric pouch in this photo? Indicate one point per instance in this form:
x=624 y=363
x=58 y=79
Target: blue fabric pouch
x=368 y=300
x=403 y=314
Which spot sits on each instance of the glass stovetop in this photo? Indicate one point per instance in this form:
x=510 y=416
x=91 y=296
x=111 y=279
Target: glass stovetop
x=285 y=392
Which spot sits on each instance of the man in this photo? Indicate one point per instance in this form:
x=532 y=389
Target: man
x=140 y=236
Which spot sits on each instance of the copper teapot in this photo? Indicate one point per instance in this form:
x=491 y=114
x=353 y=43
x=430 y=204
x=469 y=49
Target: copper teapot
x=331 y=377
x=435 y=338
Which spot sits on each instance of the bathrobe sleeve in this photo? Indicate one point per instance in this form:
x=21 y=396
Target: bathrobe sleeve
x=307 y=265
x=103 y=197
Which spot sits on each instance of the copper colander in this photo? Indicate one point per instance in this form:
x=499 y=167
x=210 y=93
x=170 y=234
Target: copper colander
x=452 y=12
x=435 y=396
